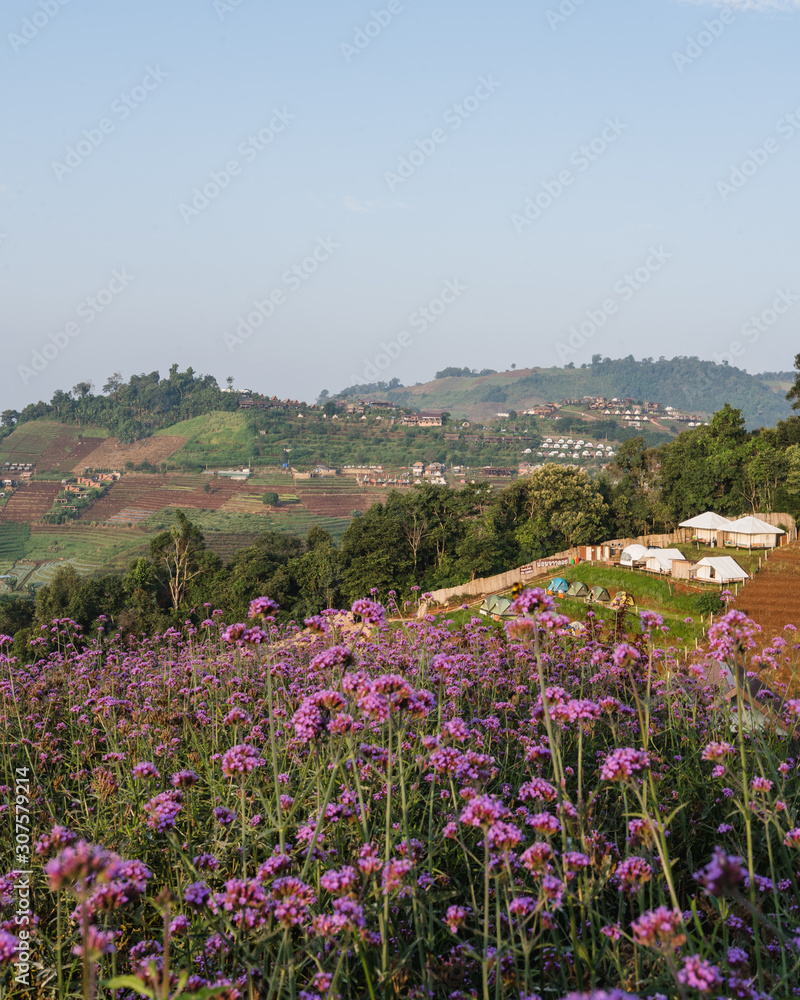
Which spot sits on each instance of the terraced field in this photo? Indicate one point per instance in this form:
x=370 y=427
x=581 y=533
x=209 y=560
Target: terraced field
x=28 y=502
x=772 y=598
x=13 y=538
x=134 y=498
x=49 y=445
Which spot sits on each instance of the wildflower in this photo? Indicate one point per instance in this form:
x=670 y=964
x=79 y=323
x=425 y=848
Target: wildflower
x=291 y=897
x=574 y=861
x=98 y=943
x=208 y=861
x=632 y=874
x=261 y=607
x=537 y=788
x=532 y=601
x=455 y=917
x=700 y=974
x=223 y=816
x=241 y=759
x=650 y=621
x=504 y=836
x=661 y=928
x=732 y=634
x=196 y=895
x=163 y=809
x=58 y=838
x=8 y=943
x=552 y=891
x=184 y=779
x=537 y=856
x=722 y=873
x=624 y=763
x=79 y=863
x=612 y=931
x=144 y=769
x=625 y=655
x=341 y=882
x=245 y=901
x=317 y=624
x=393 y=874
x=759 y=784
x=544 y=824
x=792 y=838
x=180 y=925
x=313 y=716
x=370 y=612
x=612 y=994
x=368 y=859
x=717 y=751
x=522 y=906
x=483 y=810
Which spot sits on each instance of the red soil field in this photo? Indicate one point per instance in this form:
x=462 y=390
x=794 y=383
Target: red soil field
x=772 y=599
x=28 y=502
x=340 y=504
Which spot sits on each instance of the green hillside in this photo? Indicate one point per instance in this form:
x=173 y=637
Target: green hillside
x=686 y=383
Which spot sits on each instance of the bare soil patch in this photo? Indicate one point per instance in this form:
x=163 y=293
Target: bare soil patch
x=113 y=454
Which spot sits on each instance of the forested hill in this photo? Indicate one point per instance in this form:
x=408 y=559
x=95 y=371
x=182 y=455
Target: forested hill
x=686 y=383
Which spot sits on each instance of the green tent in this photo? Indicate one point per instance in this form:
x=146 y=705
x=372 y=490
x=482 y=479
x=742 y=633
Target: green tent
x=599 y=594
x=496 y=607
x=578 y=589
x=558 y=585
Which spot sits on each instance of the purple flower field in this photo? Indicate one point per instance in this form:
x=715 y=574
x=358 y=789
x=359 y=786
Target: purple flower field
x=414 y=810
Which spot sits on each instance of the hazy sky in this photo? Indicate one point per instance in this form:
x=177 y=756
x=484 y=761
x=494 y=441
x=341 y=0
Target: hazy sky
x=401 y=185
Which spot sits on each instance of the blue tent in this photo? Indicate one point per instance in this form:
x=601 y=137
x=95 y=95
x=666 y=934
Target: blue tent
x=558 y=585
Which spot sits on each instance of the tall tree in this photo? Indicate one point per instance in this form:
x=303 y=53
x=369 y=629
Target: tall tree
x=180 y=556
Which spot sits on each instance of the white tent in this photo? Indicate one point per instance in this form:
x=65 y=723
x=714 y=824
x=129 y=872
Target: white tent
x=633 y=555
x=705 y=526
x=721 y=569
x=660 y=560
x=752 y=533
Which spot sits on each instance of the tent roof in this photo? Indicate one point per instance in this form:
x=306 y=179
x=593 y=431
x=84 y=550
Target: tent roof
x=635 y=551
x=557 y=581
x=726 y=567
x=665 y=557
x=754 y=526
x=578 y=587
x=707 y=520
x=597 y=590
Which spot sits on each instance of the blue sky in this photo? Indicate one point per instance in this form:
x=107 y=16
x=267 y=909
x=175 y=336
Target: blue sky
x=342 y=163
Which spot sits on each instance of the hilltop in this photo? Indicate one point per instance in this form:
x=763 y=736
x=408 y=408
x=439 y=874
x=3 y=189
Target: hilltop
x=687 y=384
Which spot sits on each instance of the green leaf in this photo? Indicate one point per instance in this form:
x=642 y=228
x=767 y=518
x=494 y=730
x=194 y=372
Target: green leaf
x=130 y=983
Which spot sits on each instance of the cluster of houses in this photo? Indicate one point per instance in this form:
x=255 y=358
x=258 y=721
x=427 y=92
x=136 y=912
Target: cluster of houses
x=15 y=473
